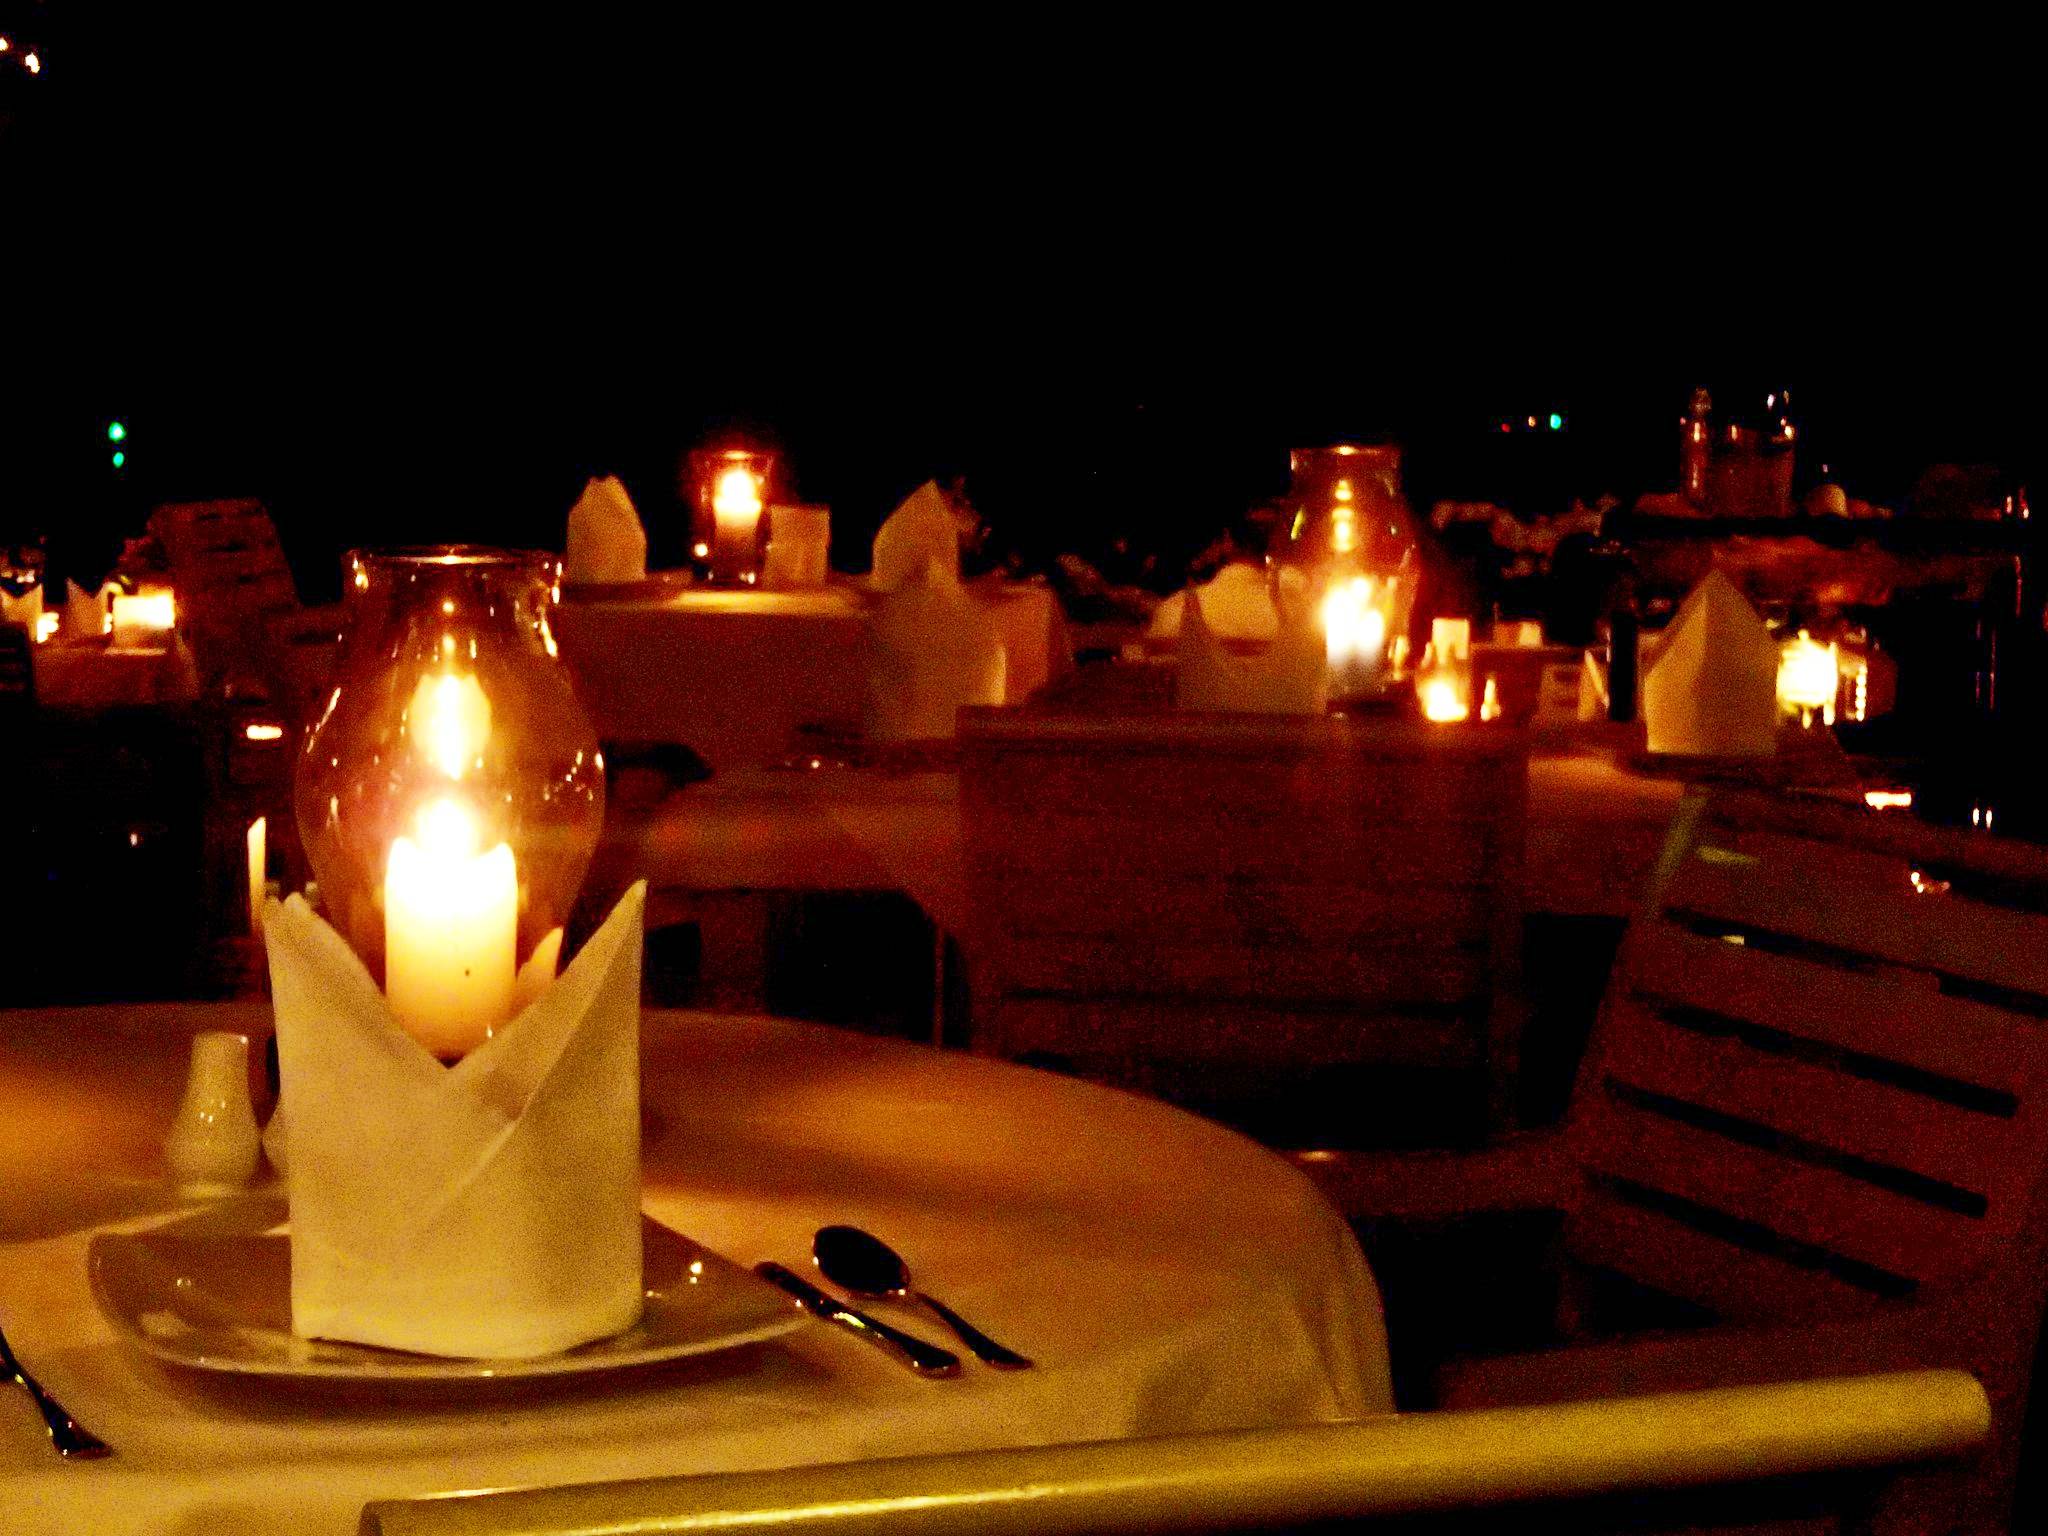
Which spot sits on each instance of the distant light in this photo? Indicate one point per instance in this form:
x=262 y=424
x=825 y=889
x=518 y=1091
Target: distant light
x=34 y=63
x=4 y=45
x=1507 y=426
x=1888 y=799
x=46 y=625
x=120 y=458
x=701 y=551
x=1556 y=422
x=116 y=432
x=1532 y=423
x=263 y=732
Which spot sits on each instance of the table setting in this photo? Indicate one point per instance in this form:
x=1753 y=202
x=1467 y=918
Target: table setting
x=504 y=1227
x=768 y=655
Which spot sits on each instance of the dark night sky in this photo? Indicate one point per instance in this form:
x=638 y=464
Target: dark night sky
x=410 y=287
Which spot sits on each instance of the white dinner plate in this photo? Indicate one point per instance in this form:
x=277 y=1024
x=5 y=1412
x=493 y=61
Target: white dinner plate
x=221 y=1301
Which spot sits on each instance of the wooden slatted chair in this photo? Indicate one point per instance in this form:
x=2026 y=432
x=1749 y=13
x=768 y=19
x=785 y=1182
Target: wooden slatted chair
x=1183 y=902
x=1812 y=1112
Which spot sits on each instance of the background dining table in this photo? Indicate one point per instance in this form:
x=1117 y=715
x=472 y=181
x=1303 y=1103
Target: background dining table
x=736 y=675
x=1595 y=823
x=1166 y=1275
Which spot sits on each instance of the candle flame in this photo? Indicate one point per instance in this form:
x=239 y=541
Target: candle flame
x=451 y=721
x=738 y=494
x=1809 y=675
x=447 y=830
x=1353 y=625
x=1443 y=702
x=1489 y=706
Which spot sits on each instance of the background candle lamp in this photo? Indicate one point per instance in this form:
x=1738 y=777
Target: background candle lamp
x=732 y=489
x=145 y=617
x=1809 y=678
x=1350 y=538
x=1443 y=683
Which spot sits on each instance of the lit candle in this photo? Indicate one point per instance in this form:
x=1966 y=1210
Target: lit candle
x=1444 y=697
x=145 y=617
x=451 y=921
x=259 y=857
x=1809 y=677
x=1443 y=685
x=1354 y=637
x=1489 y=704
x=736 y=510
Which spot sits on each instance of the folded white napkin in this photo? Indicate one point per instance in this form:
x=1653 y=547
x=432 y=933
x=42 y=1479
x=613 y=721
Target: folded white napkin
x=921 y=531
x=1237 y=604
x=85 y=613
x=606 y=541
x=24 y=610
x=489 y=1210
x=933 y=650
x=1712 y=690
x=1291 y=677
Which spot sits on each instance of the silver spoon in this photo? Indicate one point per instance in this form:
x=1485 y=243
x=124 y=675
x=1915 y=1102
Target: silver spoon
x=70 y=1437
x=862 y=1263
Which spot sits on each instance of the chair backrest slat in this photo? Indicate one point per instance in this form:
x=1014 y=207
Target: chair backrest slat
x=1659 y=1242
x=1952 y=1043
x=1823 y=1053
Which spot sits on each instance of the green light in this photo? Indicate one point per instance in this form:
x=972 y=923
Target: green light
x=116 y=432
x=120 y=458
x=1556 y=422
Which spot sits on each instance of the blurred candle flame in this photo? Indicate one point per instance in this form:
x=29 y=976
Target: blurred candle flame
x=451 y=721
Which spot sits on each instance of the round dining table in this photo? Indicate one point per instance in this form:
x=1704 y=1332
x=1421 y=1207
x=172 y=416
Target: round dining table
x=1165 y=1275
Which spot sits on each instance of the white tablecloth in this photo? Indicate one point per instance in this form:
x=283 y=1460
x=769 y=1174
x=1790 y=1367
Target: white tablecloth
x=1166 y=1275
x=734 y=674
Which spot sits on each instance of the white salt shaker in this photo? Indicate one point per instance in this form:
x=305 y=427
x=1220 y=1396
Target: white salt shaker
x=212 y=1145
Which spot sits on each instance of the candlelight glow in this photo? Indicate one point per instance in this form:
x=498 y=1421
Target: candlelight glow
x=1489 y=706
x=140 y=617
x=1809 y=675
x=262 y=731
x=1888 y=799
x=46 y=625
x=1354 y=628
x=738 y=495
x=451 y=721
x=1443 y=701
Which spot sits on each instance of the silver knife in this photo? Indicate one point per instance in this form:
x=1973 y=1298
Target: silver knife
x=925 y=1359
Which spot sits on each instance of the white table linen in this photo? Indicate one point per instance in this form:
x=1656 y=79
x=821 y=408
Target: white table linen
x=1166 y=1274
x=734 y=674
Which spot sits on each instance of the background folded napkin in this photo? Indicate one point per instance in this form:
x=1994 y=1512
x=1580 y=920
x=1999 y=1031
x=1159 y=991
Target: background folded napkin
x=1291 y=677
x=84 y=612
x=1237 y=604
x=606 y=541
x=1712 y=690
x=489 y=1210
x=24 y=610
x=933 y=650
x=919 y=533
